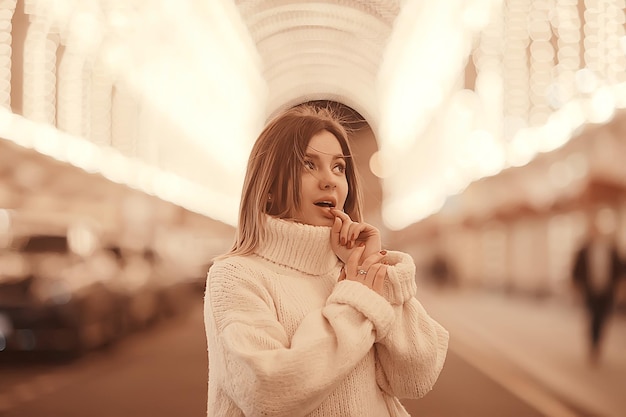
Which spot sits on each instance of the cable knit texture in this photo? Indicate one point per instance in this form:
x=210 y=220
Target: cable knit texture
x=286 y=339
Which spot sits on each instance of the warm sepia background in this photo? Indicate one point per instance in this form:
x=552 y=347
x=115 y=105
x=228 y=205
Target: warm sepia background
x=484 y=130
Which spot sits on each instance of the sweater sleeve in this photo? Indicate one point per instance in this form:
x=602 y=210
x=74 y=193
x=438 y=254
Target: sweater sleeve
x=411 y=355
x=265 y=372
x=400 y=284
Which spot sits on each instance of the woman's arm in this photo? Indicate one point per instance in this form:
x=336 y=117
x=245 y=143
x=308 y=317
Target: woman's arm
x=265 y=372
x=411 y=355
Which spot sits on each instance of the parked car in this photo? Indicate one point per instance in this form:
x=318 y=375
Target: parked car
x=54 y=300
x=136 y=286
x=149 y=287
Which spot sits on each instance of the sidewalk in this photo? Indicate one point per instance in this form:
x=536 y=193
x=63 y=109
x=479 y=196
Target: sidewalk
x=537 y=348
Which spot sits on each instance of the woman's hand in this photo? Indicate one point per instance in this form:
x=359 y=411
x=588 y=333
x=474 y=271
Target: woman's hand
x=371 y=272
x=346 y=235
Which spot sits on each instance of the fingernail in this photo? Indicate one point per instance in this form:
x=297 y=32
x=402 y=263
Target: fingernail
x=383 y=252
x=361 y=244
x=343 y=241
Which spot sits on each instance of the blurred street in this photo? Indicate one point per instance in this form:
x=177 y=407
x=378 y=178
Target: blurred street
x=537 y=347
x=489 y=372
x=490 y=139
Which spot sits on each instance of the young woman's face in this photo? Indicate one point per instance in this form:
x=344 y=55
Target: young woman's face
x=324 y=183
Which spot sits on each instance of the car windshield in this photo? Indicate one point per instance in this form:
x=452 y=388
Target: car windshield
x=44 y=255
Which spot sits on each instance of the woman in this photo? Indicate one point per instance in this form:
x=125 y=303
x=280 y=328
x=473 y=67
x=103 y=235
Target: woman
x=306 y=315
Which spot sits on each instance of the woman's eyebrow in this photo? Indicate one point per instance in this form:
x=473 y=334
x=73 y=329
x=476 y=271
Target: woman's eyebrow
x=316 y=156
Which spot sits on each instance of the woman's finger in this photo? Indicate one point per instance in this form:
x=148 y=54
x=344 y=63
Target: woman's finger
x=341 y=214
x=371 y=275
x=378 y=283
x=352 y=265
x=372 y=259
x=345 y=231
x=354 y=231
x=335 y=231
x=342 y=274
x=345 y=226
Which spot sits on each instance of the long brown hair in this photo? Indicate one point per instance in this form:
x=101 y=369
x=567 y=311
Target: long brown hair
x=275 y=167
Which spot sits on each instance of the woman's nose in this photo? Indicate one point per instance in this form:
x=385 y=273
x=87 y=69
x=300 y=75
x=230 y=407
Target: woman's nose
x=327 y=181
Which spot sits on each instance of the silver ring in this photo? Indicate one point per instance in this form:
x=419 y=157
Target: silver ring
x=362 y=272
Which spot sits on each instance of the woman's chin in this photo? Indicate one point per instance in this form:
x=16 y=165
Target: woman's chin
x=326 y=222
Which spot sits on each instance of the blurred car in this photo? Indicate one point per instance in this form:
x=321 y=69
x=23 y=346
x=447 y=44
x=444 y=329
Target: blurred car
x=136 y=286
x=180 y=285
x=150 y=287
x=54 y=300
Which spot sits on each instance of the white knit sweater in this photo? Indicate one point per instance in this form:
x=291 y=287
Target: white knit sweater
x=286 y=339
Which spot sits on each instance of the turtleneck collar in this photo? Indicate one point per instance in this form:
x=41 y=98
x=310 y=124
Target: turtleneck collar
x=298 y=246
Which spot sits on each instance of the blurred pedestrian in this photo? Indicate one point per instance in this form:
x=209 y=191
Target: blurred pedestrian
x=597 y=270
x=306 y=315
x=441 y=272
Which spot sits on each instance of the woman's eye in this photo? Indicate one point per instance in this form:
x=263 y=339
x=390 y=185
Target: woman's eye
x=340 y=168
x=309 y=164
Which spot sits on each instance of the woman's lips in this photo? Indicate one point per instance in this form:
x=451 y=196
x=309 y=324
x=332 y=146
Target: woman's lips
x=326 y=212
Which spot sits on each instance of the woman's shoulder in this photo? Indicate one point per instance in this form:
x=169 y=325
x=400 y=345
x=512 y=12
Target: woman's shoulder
x=233 y=263
x=238 y=273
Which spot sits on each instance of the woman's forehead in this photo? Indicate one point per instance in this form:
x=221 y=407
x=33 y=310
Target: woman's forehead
x=325 y=143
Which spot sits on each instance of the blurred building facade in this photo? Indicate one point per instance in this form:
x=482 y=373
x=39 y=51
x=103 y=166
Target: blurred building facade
x=520 y=230
x=557 y=73
x=72 y=149
x=530 y=126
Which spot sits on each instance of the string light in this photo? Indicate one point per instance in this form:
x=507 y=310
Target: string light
x=39 y=86
x=100 y=105
x=516 y=80
x=7 y=8
x=543 y=68
x=541 y=61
